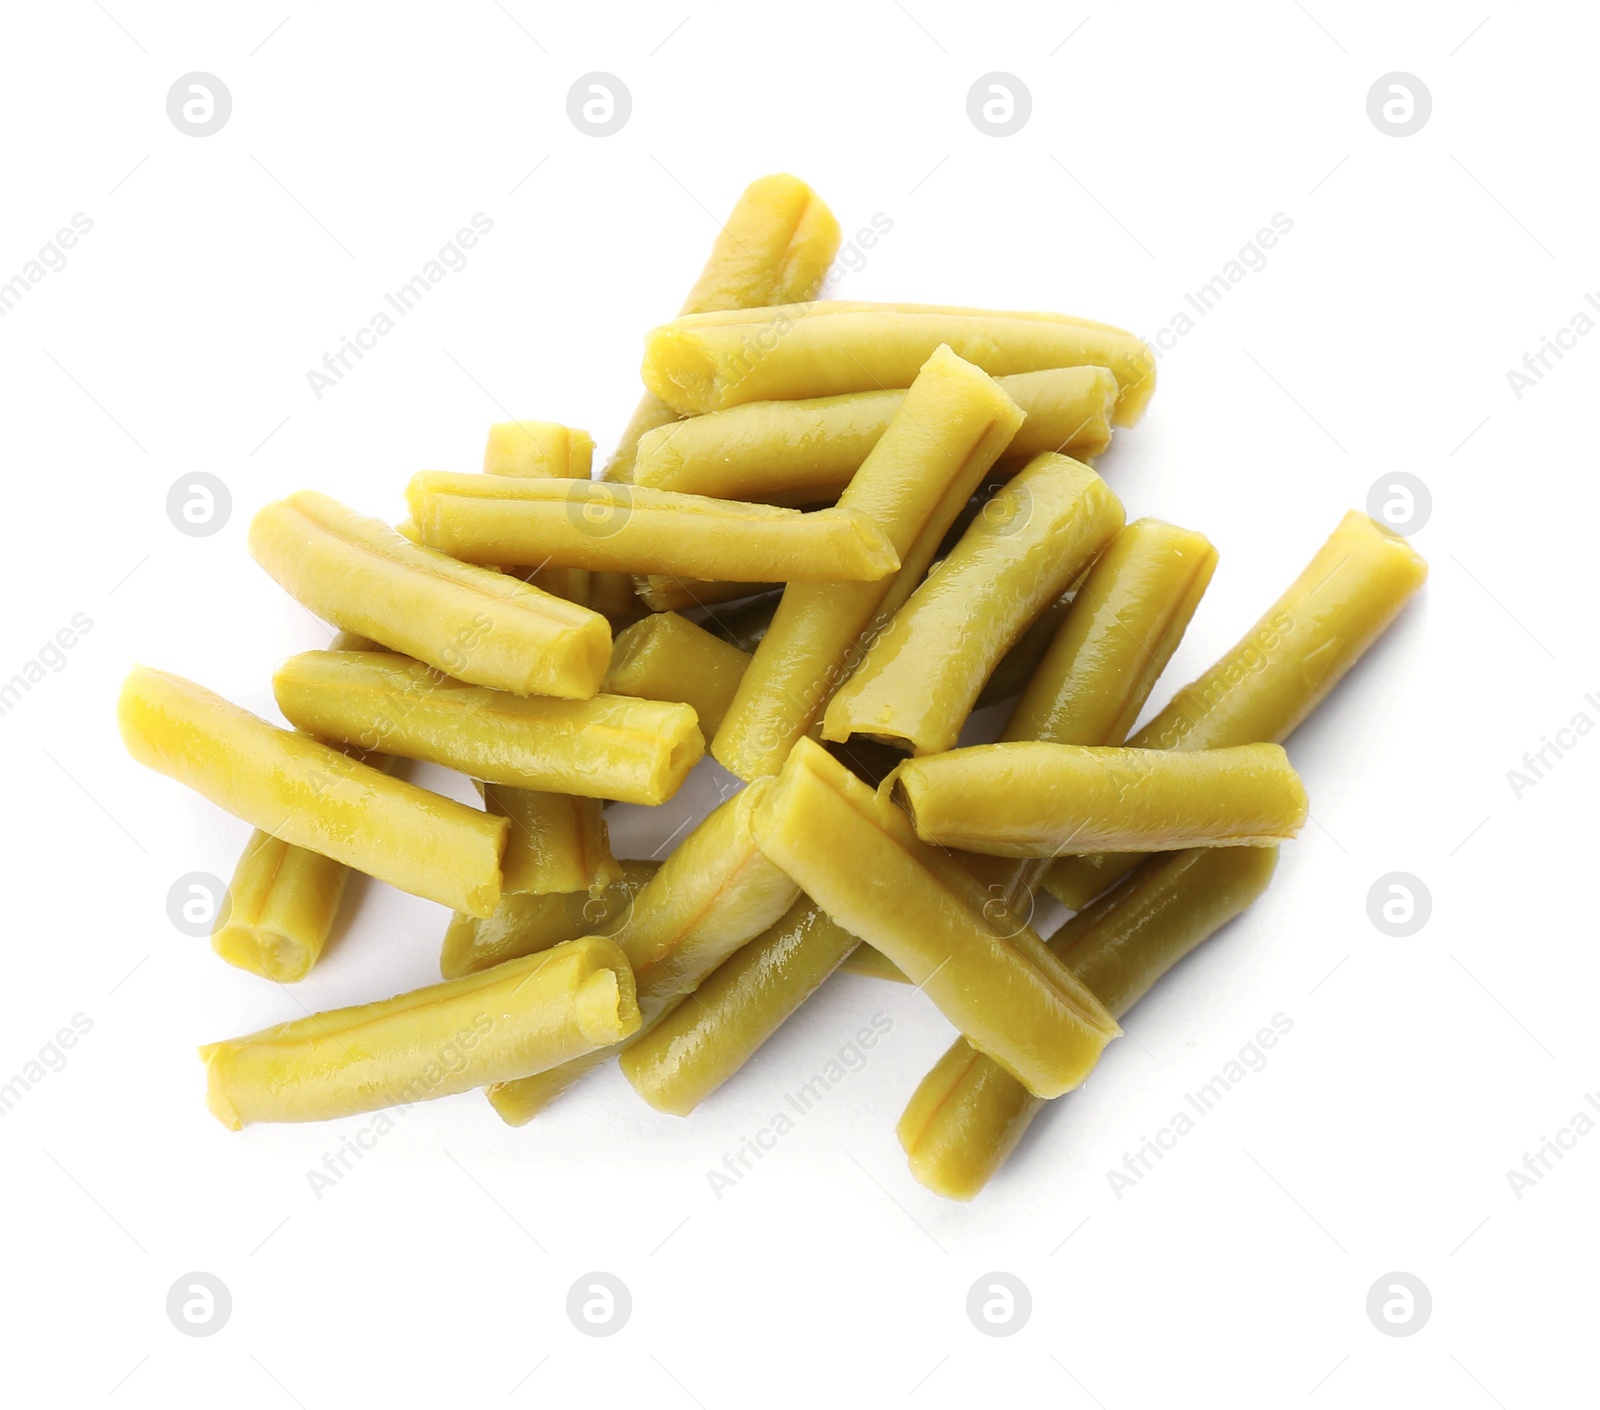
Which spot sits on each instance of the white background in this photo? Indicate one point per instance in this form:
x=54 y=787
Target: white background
x=1377 y=339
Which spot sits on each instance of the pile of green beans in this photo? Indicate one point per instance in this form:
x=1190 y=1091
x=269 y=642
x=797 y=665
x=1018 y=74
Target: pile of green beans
x=860 y=556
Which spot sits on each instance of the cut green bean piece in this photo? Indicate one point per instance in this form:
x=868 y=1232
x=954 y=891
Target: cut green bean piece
x=709 y=362
x=968 y=1113
x=667 y=657
x=612 y=746
x=538 y=449
x=514 y=1020
x=855 y=855
x=1099 y=668
x=1045 y=800
x=661 y=593
x=924 y=673
x=1279 y=672
x=556 y=842
x=865 y=960
x=1130 y=614
x=744 y=623
x=283 y=899
x=805 y=452
x=476 y=625
x=613 y=595
x=715 y=892
x=630 y=529
x=1017 y=666
x=573 y=584
x=301 y=790
x=523 y=924
x=702 y=1043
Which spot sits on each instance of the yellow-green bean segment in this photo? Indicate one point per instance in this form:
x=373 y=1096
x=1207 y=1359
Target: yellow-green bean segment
x=968 y=1113
x=774 y=249
x=805 y=452
x=699 y=1045
x=855 y=855
x=873 y=964
x=613 y=595
x=573 y=584
x=476 y=625
x=630 y=529
x=716 y=892
x=308 y=794
x=283 y=899
x=282 y=903
x=538 y=449
x=663 y=594
x=1128 y=617
x=1096 y=673
x=709 y=362
x=744 y=623
x=525 y=924
x=511 y=1021
x=1280 y=671
x=950 y=428
x=611 y=746
x=667 y=657
x=925 y=671
x=556 y=842
x=1017 y=666
x=1045 y=800
x=517 y=1102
